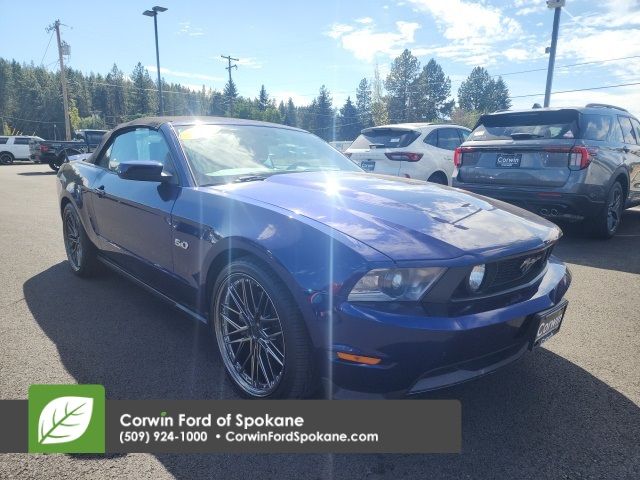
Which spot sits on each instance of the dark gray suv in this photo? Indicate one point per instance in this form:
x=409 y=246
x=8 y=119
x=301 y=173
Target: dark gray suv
x=566 y=164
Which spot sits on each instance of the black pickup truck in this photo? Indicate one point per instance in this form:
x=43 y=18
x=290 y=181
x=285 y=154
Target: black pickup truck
x=55 y=152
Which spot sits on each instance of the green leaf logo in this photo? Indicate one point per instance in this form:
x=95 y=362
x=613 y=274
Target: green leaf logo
x=64 y=419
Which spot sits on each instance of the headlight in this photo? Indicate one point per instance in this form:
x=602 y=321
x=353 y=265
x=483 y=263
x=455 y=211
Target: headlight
x=476 y=277
x=386 y=284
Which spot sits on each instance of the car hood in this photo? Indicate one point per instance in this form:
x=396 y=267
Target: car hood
x=404 y=219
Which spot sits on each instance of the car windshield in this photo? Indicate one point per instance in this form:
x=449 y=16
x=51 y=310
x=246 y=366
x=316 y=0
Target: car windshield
x=227 y=153
x=527 y=126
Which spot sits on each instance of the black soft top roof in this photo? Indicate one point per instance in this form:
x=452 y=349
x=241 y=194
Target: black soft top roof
x=156 y=122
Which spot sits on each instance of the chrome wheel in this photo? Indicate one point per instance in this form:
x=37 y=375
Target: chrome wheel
x=614 y=210
x=249 y=335
x=72 y=241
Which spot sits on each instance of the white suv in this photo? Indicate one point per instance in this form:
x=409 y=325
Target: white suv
x=16 y=148
x=413 y=150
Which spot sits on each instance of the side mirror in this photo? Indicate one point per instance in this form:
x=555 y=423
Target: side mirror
x=147 y=171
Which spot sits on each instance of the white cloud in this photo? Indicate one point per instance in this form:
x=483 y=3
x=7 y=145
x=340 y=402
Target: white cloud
x=298 y=99
x=187 y=29
x=463 y=20
x=364 y=20
x=527 y=7
x=250 y=62
x=246 y=62
x=477 y=33
x=173 y=73
x=517 y=54
x=339 y=29
x=365 y=42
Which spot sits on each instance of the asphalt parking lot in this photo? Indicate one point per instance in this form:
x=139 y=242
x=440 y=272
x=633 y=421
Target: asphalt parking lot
x=568 y=410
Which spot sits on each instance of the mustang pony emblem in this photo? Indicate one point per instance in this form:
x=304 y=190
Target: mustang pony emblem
x=526 y=265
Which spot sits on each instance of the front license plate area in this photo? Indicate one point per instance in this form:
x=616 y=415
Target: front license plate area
x=508 y=160
x=368 y=165
x=548 y=323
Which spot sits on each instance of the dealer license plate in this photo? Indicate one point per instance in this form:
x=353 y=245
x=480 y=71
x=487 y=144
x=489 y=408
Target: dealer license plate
x=508 y=160
x=549 y=323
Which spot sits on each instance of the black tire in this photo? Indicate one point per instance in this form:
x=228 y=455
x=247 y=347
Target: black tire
x=53 y=165
x=6 y=158
x=294 y=376
x=439 y=178
x=607 y=221
x=81 y=253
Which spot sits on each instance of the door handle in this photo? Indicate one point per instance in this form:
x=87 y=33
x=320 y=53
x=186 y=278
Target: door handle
x=625 y=149
x=100 y=191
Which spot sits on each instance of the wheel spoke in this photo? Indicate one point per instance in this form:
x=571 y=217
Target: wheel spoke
x=233 y=324
x=237 y=300
x=238 y=340
x=262 y=369
x=277 y=358
x=250 y=335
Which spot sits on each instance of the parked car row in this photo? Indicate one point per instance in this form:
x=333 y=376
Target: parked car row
x=51 y=152
x=56 y=152
x=565 y=164
x=17 y=147
x=413 y=150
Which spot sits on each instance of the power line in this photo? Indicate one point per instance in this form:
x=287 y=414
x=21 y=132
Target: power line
x=567 y=66
x=603 y=87
x=47 y=49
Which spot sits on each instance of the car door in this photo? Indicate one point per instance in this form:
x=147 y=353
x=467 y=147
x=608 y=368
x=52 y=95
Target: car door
x=633 y=159
x=21 y=148
x=133 y=218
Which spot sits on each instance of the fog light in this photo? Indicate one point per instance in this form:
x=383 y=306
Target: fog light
x=476 y=277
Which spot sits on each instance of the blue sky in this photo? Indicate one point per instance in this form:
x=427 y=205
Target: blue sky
x=295 y=46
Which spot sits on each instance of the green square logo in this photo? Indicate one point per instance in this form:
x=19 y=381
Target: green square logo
x=66 y=419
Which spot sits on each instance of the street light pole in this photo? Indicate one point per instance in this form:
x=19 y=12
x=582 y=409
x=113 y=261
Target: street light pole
x=557 y=6
x=154 y=13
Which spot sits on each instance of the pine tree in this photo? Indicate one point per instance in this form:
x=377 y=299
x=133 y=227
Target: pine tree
x=431 y=92
x=325 y=121
x=363 y=103
x=291 y=115
x=230 y=95
x=379 y=112
x=263 y=99
x=217 y=104
x=349 y=124
x=399 y=83
x=480 y=93
x=500 y=95
x=142 y=92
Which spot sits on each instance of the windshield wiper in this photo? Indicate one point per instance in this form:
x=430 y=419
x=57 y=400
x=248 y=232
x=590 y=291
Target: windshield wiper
x=249 y=178
x=524 y=135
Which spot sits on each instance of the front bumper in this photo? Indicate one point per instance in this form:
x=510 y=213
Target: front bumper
x=568 y=207
x=421 y=353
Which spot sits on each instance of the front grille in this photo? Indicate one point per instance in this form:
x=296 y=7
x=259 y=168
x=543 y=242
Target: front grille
x=508 y=273
x=513 y=271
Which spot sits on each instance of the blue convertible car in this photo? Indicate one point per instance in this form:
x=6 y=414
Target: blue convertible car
x=307 y=269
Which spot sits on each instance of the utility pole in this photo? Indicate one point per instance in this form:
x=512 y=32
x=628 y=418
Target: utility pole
x=228 y=68
x=65 y=99
x=557 y=6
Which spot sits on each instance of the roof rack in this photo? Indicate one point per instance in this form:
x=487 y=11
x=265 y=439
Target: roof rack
x=604 y=105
